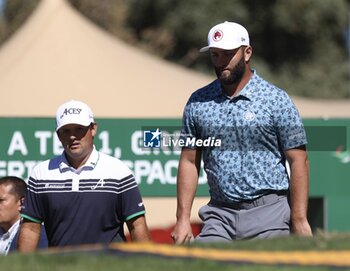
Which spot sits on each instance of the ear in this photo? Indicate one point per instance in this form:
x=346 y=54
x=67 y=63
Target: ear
x=248 y=51
x=94 y=129
x=21 y=202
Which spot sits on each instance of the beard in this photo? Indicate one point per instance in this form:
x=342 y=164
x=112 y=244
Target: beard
x=232 y=76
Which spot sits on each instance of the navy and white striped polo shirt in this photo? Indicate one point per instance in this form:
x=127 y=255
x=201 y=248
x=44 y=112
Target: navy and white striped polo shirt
x=83 y=206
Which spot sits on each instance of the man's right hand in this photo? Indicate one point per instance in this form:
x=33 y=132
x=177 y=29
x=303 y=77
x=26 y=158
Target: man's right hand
x=182 y=233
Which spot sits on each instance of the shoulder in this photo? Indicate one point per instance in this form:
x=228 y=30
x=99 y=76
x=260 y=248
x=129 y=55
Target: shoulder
x=281 y=106
x=267 y=87
x=272 y=94
x=113 y=165
x=43 y=167
x=206 y=93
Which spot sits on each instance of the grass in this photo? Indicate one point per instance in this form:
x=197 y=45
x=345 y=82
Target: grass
x=100 y=261
x=96 y=262
x=320 y=241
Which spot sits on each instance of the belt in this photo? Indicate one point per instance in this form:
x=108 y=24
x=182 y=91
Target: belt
x=248 y=204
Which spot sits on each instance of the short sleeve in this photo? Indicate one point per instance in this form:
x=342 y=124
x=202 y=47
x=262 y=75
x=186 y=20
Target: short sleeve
x=32 y=208
x=291 y=131
x=188 y=131
x=131 y=200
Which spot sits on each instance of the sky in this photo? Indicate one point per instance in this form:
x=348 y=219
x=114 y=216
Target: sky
x=1 y=5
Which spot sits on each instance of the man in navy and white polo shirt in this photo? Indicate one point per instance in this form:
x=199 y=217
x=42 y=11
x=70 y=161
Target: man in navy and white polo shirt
x=260 y=129
x=83 y=196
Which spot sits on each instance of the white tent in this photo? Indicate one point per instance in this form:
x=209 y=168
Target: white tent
x=58 y=55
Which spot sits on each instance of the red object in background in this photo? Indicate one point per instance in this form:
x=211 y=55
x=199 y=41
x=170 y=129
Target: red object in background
x=162 y=235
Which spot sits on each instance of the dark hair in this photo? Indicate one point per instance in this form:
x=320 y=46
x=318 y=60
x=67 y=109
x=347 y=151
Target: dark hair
x=19 y=186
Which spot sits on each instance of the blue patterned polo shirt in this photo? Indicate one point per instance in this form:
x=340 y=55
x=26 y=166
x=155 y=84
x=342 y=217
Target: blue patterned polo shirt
x=254 y=128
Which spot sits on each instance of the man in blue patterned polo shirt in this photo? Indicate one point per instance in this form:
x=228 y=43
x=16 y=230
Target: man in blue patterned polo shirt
x=252 y=194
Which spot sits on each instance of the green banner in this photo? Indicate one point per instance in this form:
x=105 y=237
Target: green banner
x=26 y=141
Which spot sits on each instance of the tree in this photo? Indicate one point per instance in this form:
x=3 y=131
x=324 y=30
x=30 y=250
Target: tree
x=298 y=44
x=15 y=12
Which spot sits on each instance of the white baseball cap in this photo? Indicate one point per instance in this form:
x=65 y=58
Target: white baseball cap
x=74 y=112
x=227 y=36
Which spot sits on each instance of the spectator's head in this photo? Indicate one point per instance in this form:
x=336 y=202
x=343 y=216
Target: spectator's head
x=12 y=192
